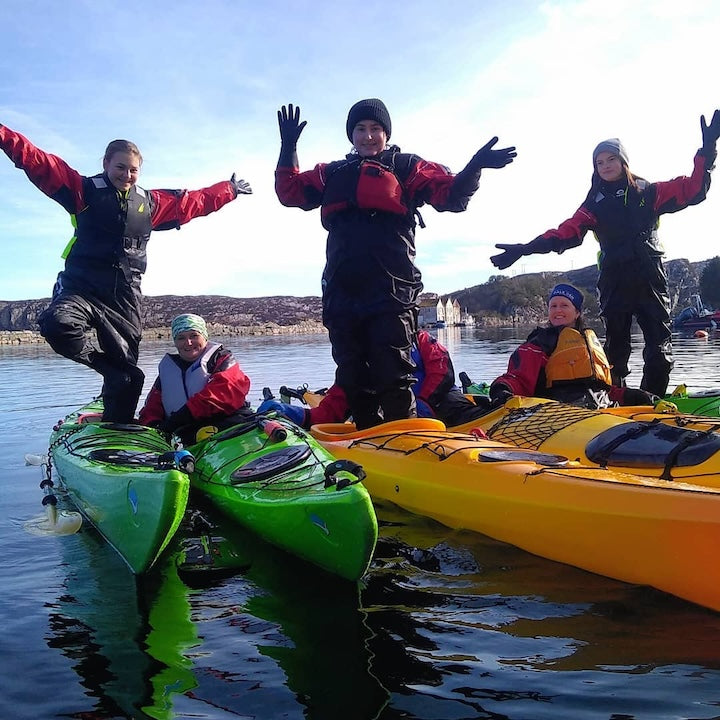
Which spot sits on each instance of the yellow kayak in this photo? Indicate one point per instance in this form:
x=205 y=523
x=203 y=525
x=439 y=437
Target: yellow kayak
x=634 y=439
x=636 y=529
x=670 y=446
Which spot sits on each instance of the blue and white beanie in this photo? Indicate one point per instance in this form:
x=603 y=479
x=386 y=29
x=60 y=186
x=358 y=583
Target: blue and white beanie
x=569 y=292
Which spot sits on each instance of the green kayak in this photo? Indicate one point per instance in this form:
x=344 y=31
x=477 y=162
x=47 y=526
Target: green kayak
x=275 y=479
x=125 y=479
x=705 y=402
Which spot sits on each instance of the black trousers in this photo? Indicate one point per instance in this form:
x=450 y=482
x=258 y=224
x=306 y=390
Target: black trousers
x=374 y=365
x=67 y=324
x=654 y=322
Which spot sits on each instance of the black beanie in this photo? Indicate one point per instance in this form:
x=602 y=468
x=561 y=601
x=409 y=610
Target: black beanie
x=370 y=109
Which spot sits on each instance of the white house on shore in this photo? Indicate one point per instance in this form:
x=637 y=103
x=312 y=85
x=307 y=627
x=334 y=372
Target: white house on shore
x=433 y=312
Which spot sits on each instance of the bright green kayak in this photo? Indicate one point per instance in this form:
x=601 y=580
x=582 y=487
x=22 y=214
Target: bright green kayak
x=275 y=479
x=706 y=402
x=125 y=480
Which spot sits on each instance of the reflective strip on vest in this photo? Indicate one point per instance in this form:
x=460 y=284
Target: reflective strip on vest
x=178 y=386
x=577 y=356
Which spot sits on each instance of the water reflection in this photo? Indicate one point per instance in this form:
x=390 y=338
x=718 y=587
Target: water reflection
x=447 y=624
x=127 y=639
x=278 y=634
x=468 y=623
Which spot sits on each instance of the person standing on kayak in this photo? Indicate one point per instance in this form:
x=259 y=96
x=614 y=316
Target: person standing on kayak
x=564 y=361
x=201 y=384
x=436 y=394
x=370 y=284
x=99 y=289
x=623 y=211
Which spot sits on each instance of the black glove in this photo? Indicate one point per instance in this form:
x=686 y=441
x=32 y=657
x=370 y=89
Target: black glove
x=176 y=420
x=510 y=255
x=636 y=396
x=290 y=130
x=467 y=180
x=513 y=252
x=710 y=135
x=241 y=187
x=486 y=157
x=499 y=394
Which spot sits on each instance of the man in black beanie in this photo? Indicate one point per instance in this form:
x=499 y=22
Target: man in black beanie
x=369 y=203
x=370 y=109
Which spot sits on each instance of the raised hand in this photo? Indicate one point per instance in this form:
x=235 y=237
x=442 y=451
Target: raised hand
x=486 y=157
x=711 y=132
x=241 y=187
x=511 y=254
x=290 y=125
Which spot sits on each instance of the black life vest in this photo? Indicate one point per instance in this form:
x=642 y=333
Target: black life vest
x=626 y=224
x=112 y=231
x=375 y=184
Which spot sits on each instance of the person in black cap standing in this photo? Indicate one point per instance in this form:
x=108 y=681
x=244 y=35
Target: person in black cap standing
x=564 y=361
x=623 y=211
x=369 y=203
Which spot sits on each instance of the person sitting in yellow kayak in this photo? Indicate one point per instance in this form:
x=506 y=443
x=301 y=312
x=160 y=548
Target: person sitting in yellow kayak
x=564 y=361
x=436 y=394
x=199 y=385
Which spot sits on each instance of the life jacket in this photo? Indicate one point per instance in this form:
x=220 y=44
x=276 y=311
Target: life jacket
x=178 y=384
x=371 y=184
x=627 y=224
x=112 y=231
x=577 y=356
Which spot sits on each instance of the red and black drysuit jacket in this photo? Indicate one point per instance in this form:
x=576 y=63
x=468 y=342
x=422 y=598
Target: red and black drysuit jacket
x=435 y=386
x=624 y=219
x=107 y=258
x=369 y=206
x=224 y=393
x=526 y=377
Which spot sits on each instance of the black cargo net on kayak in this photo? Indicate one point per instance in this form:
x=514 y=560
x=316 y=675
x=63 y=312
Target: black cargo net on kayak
x=652 y=445
x=143 y=446
x=118 y=456
x=530 y=427
x=445 y=447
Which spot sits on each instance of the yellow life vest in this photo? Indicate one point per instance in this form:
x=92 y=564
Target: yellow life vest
x=577 y=356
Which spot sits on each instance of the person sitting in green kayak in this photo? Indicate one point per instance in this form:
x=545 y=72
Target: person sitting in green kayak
x=202 y=384
x=436 y=395
x=565 y=361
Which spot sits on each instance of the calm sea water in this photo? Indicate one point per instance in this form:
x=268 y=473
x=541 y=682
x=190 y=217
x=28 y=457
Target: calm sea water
x=447 y=625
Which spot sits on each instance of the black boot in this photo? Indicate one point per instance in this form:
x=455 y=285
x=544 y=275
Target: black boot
x=364 y=409
x=121 y=392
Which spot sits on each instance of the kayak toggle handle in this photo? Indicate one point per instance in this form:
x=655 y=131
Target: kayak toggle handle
x=273 y=429
x=345 y=466
x=176 y=459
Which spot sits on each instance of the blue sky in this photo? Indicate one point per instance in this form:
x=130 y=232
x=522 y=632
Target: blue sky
x=197 y=86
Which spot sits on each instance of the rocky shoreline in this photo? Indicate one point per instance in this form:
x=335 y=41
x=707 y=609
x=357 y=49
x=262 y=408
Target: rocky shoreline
x=306 y=327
